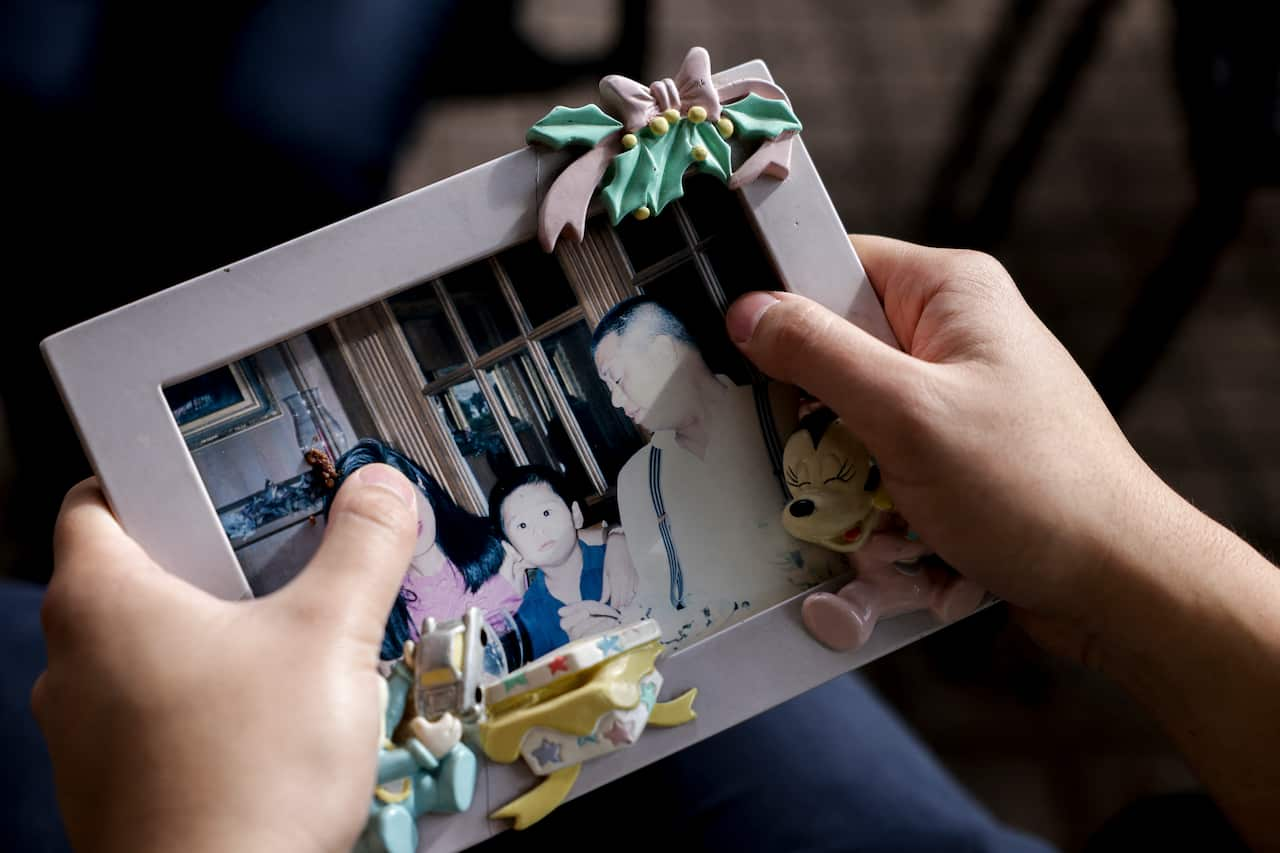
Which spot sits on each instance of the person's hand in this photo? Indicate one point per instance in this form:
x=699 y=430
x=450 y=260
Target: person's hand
x=179 y=721
x=584 y=618
x=513 y=568
x=620 y=575
x=1000 y=454
x=990 y=439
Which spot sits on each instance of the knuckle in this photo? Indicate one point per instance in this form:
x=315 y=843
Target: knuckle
x=56 y=609
x=793 y=336
x=980 y=269
x=73 y=610
x=66 y=530
x=79 y=492
x=929 y=402
x=920 y=410
x=72 y=529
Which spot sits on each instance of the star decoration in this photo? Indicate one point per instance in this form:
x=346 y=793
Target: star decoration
x=609 y=643
x=547 y=753
x=586 y=739
x=618 y=734
x=559 y=664
x=648 y=694
x=513 y=682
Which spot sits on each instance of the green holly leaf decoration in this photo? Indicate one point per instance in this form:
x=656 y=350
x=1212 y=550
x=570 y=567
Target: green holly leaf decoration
x=755 y=117
x=581 y=126
x=632 y=183
x=650 y=174
x=717 y=161
x=672 y=154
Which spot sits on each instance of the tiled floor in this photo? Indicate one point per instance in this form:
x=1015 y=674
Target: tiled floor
x=880 y=86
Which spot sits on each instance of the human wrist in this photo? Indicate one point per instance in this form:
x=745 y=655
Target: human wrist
x=1198 y=650
x=1163 y=586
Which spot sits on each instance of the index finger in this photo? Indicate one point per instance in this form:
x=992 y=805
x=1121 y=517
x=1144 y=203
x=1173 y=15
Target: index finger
x=893 y=263
x=95 y=567
x=87 y=536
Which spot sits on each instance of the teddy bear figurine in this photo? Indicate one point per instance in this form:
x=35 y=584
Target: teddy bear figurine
x=838 y=501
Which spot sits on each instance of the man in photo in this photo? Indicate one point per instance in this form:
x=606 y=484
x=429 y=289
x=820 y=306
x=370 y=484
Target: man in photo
x=577 y=578
x=700 y=502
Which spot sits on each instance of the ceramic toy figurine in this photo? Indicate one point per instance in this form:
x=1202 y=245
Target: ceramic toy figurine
x=449 y=662
x=422 y=766
x=837 y=501
x=586 y=699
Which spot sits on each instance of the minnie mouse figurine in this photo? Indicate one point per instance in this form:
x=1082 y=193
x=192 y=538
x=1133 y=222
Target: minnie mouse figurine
x=837 y=501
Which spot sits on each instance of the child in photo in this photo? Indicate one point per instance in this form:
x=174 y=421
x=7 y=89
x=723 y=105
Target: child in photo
x=577 y=578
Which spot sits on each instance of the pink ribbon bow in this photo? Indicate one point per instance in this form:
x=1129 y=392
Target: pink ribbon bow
x=565 y=205
x=635 y=104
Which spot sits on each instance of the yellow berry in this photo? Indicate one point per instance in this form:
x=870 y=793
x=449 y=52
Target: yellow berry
x=629 y=140
x=699 y=153
x=641 y=213
x=672 y=115
x=659 y=125
x=697 y=115
x=725 y=127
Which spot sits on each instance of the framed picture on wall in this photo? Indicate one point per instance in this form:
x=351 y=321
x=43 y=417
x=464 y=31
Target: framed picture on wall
x=216 y=404
x=541 y=401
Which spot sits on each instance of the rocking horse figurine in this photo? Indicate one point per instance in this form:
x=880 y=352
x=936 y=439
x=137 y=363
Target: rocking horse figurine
x=837 y=501
x=422 y=766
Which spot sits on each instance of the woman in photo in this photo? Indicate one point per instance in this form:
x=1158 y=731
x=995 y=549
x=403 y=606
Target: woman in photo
x=457 y=561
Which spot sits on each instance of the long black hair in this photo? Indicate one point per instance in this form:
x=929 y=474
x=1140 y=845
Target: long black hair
x=467 y=540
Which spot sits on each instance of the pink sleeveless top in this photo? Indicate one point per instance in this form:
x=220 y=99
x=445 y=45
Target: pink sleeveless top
x=445 y=596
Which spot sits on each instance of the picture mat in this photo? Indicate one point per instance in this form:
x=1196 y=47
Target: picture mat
x=110 y=371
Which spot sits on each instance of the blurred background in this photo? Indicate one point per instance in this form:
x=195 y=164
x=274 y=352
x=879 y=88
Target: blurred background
x=1119 y=156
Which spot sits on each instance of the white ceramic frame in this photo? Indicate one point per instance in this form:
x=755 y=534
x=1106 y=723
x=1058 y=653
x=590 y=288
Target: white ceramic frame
x=110 y=371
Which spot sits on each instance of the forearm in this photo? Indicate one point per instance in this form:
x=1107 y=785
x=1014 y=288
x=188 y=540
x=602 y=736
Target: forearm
x=1193 y=632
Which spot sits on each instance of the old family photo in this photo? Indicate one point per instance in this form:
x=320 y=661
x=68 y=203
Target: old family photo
x=588 y=446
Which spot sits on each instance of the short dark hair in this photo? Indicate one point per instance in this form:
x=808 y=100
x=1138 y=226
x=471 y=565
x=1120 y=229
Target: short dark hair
x=524 y=475
x=620 y=317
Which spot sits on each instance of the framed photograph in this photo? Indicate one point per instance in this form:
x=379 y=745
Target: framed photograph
x=216 y=404
x=582 y=408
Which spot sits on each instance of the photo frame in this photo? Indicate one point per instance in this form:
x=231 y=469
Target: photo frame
x=336 y=288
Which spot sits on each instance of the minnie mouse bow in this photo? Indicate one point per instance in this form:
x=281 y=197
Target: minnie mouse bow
x=636 y=104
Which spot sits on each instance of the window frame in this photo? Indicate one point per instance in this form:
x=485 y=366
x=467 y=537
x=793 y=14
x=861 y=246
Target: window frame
x=476 y=364
x=529 y=339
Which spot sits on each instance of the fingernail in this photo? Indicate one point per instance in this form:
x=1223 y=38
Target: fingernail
x=390 y=479
x=744 y=315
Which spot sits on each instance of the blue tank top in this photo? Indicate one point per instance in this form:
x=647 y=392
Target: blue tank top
x=540 y=610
